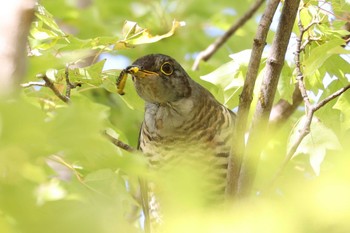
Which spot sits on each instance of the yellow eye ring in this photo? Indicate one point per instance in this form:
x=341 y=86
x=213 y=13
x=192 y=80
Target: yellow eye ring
x=166 y=68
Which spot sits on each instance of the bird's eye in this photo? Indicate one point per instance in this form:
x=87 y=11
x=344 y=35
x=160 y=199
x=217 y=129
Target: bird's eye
x=166 y=68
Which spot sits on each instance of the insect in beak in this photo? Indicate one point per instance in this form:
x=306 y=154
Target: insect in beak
x=121 y=81
x=135 y=70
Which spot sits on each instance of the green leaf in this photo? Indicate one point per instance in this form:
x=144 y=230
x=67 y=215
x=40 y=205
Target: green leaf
x=50 y=191
x=109 y=78
x=230 y=76
x=316 y=143
x=343 y=105
x=286 y=83
x=91 y=75
x=135 y=35
x=106 y=182
x=77 y=131
x=48 y=19
x=320 y=54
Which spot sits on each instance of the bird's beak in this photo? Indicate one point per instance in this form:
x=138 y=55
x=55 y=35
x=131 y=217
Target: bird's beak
x=139 y=73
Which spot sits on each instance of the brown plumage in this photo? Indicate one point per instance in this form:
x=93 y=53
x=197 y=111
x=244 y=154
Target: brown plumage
x=184 y=125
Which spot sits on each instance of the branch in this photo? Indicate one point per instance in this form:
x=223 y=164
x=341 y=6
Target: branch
x=267 y=93
x=247 y=96
x=310 y=109
x=282 y=110
x=211 y=49
x=330 y=98
x=119 y=143
x=15 y=21
x=33 y=84
x=49 y=84
x=305 y=130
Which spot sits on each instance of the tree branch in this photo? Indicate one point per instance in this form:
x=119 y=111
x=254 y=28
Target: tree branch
x=305 y=130
x=212 y=48
x=267 y=93
x=33 y=84
x=15 y=21
x=247 y=96
x=310 y=109
x=282 y=110
x=119 y=143
x=49 y=84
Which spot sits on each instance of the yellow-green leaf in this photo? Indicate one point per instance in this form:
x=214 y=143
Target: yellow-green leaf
x=135 y=35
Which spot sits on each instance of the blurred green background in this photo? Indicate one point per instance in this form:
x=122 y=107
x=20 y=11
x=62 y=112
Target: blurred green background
x=59 y=174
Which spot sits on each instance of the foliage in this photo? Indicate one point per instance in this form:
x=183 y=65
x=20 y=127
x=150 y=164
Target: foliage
x=58 y=173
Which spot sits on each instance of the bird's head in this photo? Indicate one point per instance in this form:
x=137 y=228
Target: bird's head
x=159 y=79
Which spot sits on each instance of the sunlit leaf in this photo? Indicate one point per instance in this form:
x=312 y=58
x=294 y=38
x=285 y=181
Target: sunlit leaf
x=343 y=105
x=48 y=19
x=230 y=76
x=286 y=83
x=90 y=75
x=109 y=80
x=106 y=182
x=50 y=191
x=320 y=54
x=135 y=35
x=316 y=143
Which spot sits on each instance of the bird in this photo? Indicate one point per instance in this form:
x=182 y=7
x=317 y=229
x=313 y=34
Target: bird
x=183 y=126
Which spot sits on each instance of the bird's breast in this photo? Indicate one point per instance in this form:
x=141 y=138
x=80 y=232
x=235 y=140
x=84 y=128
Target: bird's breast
x=162 y=120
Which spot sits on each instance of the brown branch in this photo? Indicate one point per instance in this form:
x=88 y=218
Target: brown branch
x=206 y=54
x=330 y=98
x=265 y=101
x=282 y=110
x=51 y=85
x=247 y=96
x=15 y=21
x=48 y=83
x=119 y=143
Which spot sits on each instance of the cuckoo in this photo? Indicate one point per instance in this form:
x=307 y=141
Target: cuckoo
x=183 y=123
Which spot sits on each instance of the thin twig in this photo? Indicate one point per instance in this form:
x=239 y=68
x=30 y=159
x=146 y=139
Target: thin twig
x=212 y=48
x=119 y=143
x=60 y=160
x=310 y=109
x=330 y=98
x=78 y=175
x=305 y=130
x=33 y=84
x=49 y=84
